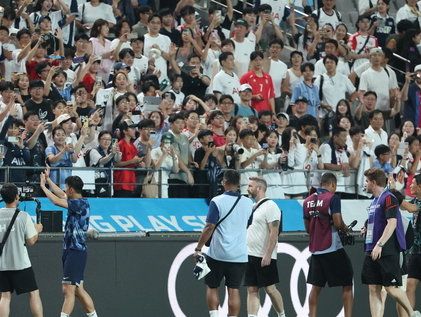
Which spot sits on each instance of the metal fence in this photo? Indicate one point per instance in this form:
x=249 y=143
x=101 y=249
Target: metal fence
x=91 y=176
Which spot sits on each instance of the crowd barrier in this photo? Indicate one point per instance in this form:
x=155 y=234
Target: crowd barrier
x=152 y=276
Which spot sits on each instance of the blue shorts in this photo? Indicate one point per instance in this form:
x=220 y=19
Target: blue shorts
x=74 y=262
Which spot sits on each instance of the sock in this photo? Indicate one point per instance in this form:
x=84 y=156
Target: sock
x=63 y=315
x=281 y=314
x=251 y=315
x=213 y=313
x=93 y=314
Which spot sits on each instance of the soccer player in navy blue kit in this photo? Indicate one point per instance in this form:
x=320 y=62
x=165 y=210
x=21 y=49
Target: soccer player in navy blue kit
x=74 y=245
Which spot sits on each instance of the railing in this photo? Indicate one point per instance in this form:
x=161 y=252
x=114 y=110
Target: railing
x=303 y=178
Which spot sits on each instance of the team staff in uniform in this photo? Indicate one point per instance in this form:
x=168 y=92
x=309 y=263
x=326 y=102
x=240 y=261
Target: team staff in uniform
x=74 y=244
x=262 y=244
x=329 y=262
x=16 y=272
x=385 y=239
x=227 y=254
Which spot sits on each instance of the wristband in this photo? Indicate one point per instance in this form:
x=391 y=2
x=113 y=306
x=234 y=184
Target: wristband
x=380 y=244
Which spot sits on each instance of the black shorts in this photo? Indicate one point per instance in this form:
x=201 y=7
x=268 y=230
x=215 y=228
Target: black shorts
x=233 y=273
x=333 y=268
x=414 y=266
x=74 y=262
x=22 y=281
x=259 y=276
x=385 y=271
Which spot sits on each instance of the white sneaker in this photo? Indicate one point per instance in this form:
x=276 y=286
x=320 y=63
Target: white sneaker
x=416 y=314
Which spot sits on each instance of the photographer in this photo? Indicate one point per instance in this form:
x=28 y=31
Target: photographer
x=15 y=152
x=210 y=160
x=16 y=272
x=329 y=262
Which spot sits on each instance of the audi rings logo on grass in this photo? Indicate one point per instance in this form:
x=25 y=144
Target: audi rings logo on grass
x=301 y=264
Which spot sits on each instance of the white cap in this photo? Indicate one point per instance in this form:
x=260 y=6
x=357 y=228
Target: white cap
x=244 y=87
x=283 y=114
x=63 y=117
x=417 y=68
x=9 y=47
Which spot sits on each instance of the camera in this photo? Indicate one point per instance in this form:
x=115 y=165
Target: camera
x=265 y=146
x=237 y=149
x=26 y=192
x=211 y=144
x=313 y=140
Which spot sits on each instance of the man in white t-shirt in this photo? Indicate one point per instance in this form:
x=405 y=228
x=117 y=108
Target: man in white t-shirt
x=16 y=272
x=157 y=46
x=376 y=79
x=251 y=157
x=331 y=47
x=262 y=242
x=226 y=82
x=375 y=133
x=328 y=14
x=334 y=86
x=243 y=47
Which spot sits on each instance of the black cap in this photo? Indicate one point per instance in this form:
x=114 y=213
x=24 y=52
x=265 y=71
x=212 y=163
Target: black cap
x=241 y=22
x=36 y=84
x=127 y=123
x=302 y=99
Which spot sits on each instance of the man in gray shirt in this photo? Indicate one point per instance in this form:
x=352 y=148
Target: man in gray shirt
x=16 y=272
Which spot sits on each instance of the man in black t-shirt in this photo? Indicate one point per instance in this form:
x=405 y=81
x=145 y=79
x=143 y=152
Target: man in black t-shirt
x=38 y=103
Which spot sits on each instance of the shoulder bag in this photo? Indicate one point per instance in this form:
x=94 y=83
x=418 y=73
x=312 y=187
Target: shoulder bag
x=9 y=228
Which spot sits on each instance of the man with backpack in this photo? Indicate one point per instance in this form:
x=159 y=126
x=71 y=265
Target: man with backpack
x=262 y=242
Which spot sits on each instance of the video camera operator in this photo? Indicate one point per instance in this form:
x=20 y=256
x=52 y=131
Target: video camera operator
x=329 y=262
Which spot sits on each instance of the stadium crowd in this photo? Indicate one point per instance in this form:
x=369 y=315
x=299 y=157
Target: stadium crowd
x=132 y=89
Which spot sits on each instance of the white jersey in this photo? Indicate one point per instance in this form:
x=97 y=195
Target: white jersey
x=258 y=231
x=227 y=84
x=278 y=72
x=379 y=82
x=15 y=255
x=242 y=55
x=164 y=43
x=324 y=18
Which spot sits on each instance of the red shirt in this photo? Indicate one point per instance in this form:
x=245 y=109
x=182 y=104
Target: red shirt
x=88 y=81
x=260 y=86
x=125 y=180
x=31 y=65
x=218 y=140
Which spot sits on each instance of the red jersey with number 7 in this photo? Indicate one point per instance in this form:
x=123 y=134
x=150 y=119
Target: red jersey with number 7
x=260 y=86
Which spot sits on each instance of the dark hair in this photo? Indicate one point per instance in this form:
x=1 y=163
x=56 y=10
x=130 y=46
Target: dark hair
x=160 y=115
x=307 y=120
x=370 y=92
x=193 y=55
x=6 y=85
x=210 y=96
x=256 y=54
x=120 y=98
x=308 y=130
x=29 y=114
x=277 y=41
x=9 y=14
x=337 y=130
x=286 y=137
x=165 y=11
x=203 y=133
x=245 y=132
x=381 y=149
x=332 y=41
x=175 y=116
x=102 y=133
x=146 y=123
x=213 y=114
x=75 y=182
x=119 y=26
x=226 y=97
x=228 y=41
x=331 y=57
x=373 y=113
x=418 y=179
x=187 y=10
x=124 y=52
x=81 y=36
x=328 y=179
x=411 y=139
x=224 y=56
x=188 y=113
x=307 y=65
x=22 y=32
x=265 y=113
x=154 y=16
x=132 y=94
x=232 y=177
x=376 y=175
x=96 y=27
x=355 y=130
x=295 y=53
x=147 y=86
x=59 y=127
x=40 y=66
x=9 y=192
x=57 y=102
x=404 y=25
x=174 y=77
x=401 y=127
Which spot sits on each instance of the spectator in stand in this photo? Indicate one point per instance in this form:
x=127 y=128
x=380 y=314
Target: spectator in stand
x=343 y=109
x=125 y=180
x=409 y=11
x=407 y=129
x=15 y=152
x=410 y=95
x=38 y=103
x=383 y=157
x=341 y=36
x=276 y=69
x=292 y=76
x=298 y=110
x=216 y=123
x=165 y=159
x=375 y=132
x=21 y=82
x=144 y=143
x=243 y=47
x=251 y=158
x=313 y=160
x=141 y=27
x=91 y=11
x=194 y=82
x=226 y=82
x=244 y=108
x=226 y=106
x=8 y=106
x=193 y=127
x=407 y=47
x=180 y=183
x=271 y=161
x=261 y=83
x=362 y=42
x=306 y=90
x=411 y=161
x=267 y=29
x=293 y=183
x=282 y=121
x=105 y=156
x=331 y=48
x=382 y=22
x=168 y=26
x=160 y=127
x=334 y=157
x=328 y=14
